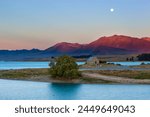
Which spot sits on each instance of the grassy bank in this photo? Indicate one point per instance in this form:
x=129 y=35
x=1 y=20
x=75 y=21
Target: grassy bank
x=141 y=66
x=43 y=75
x=126 y=73
x=23 y=73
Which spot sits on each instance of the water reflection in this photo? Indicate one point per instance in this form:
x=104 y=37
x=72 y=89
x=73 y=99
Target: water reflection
x=25 y=90
x=63 y=91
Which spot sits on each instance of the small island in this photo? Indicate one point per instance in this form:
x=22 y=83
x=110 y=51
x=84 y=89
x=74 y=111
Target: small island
x=96 y=70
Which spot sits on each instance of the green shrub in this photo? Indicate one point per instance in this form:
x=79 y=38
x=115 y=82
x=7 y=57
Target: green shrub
x=65 y=67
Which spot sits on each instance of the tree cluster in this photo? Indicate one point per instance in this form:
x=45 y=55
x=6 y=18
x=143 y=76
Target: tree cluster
x=65 y=67
x=130 y=59
x=144 y=57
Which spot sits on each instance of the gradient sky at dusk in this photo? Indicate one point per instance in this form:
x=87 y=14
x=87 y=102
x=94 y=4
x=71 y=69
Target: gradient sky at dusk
x=42 y=23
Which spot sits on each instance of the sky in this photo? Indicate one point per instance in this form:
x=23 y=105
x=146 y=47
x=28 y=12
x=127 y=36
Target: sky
x=27 y=24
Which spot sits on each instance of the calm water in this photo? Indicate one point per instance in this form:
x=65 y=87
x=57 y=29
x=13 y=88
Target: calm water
x=131 y=63
x=14 y=90
x=5 y=65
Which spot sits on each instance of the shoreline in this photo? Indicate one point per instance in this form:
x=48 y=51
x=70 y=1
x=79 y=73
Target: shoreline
x=73 y=81
x=121 y=80
x=88 y=77
x=42 y=75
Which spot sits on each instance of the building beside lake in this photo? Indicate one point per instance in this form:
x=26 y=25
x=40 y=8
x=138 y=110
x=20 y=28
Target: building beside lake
x=52 y=61
x=95 y=60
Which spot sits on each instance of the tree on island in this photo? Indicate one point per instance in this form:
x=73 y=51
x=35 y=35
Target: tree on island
x=65 y=67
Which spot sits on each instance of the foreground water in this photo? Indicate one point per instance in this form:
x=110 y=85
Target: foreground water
x=26 y=90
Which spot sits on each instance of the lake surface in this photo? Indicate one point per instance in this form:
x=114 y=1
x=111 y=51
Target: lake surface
x=128 y=63
x=6 y=65
x=27 y=90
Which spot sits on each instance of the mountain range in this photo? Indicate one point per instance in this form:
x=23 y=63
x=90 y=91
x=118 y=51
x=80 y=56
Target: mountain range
x=112 y=45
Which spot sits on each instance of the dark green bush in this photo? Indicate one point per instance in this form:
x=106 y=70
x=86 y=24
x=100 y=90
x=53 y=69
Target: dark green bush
x=144 y=57
x=65 y=67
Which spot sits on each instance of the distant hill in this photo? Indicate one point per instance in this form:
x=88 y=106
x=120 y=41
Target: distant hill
x=19 y=54
x=117 y=44
x=113 y=45
x=130 y=44
x=146 y=38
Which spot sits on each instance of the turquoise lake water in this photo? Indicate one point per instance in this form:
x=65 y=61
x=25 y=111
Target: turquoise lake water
x=27 y=90
x=6 y=65
x=131 y=63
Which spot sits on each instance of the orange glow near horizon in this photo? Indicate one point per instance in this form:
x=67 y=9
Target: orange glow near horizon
x=40 y=24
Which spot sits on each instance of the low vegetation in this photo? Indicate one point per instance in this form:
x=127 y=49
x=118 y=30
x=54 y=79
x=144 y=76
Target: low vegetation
x=43 y=75
x=126 y=73
x=23 y=73
x=142 y=66
x=28 y=73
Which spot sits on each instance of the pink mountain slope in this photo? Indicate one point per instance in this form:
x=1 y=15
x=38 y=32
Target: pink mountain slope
x=116 y=44
x=65 y=47
x=146 y=38
x=123 y=42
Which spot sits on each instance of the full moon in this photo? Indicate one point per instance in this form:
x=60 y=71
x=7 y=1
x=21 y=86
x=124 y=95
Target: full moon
x=111 y=10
